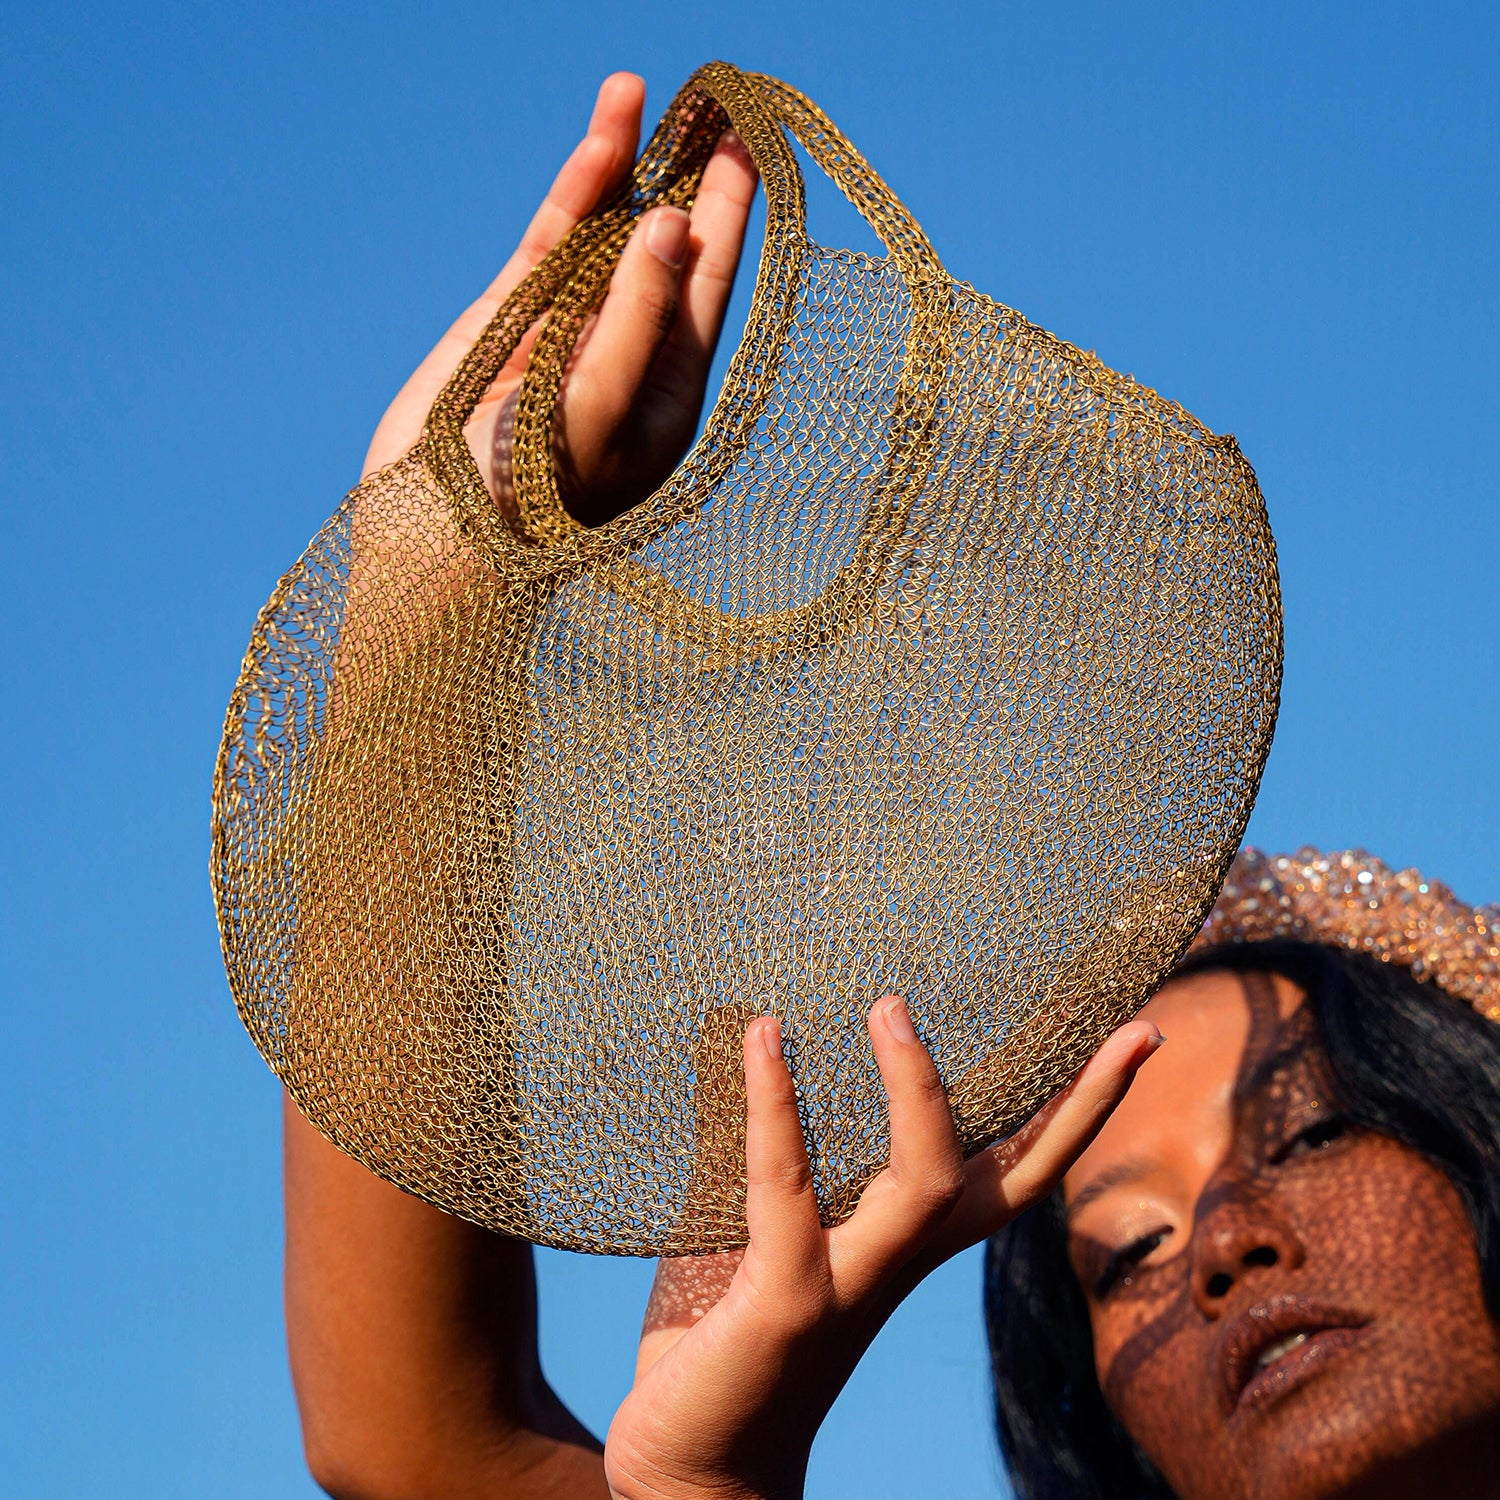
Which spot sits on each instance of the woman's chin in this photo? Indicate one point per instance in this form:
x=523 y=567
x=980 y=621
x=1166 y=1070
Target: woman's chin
x=1345 y=1415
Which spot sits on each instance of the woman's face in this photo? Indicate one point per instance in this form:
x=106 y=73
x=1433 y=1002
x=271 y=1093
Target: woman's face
x=1282 y=1305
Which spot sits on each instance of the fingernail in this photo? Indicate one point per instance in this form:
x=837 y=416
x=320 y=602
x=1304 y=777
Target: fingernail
x=770 y=1035
x=898 y=1020
x=667 y=235
x=1154 y=1040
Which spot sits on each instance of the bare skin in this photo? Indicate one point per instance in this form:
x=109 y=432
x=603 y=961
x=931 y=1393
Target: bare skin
x=413 y=1345
x=1227 y=1212
x=733 y=1381
x=635 y=387
x=1284 y=1307
x=413 y=1335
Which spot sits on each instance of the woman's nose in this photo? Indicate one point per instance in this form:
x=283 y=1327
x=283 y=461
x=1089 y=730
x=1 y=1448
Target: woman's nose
x=1238 y=1240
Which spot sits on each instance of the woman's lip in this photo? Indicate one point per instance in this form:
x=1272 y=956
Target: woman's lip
x=1321 y=1331
x=1297 y=1365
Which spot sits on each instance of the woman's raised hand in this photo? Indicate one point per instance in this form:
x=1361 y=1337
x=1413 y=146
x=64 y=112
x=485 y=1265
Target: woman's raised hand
x=742 y=1355
x=634 y=389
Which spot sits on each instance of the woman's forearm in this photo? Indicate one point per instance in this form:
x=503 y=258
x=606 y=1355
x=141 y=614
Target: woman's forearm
x=413 y=1346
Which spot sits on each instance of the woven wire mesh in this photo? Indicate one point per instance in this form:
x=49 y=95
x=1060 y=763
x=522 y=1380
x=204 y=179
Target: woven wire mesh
x=945 y=665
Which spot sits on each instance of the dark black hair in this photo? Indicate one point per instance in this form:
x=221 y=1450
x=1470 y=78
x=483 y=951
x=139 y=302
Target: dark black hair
x=1408 y=1061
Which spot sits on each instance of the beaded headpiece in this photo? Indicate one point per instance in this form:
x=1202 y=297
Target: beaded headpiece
x=1349 y=899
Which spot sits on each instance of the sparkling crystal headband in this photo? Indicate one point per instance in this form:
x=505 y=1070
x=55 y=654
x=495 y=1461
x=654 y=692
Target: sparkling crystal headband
x=1349 y=899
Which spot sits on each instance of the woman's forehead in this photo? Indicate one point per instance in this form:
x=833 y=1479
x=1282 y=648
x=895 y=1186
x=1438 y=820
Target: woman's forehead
x=1218 y=999
x=1178 y=1117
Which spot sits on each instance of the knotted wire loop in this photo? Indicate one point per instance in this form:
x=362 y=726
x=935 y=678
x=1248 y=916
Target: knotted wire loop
x=571 y=282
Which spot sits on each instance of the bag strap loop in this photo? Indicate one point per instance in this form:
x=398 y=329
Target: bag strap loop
x=571 y=281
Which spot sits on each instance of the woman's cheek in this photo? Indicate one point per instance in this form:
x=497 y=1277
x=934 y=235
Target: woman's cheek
x=1144 y=1354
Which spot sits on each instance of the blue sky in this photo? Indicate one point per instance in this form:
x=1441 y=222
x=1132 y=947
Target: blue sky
x=228 y=234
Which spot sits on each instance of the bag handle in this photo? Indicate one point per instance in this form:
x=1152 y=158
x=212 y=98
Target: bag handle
x=570 y=282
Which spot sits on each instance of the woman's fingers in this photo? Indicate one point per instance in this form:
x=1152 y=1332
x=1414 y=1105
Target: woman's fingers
x=781 y=1209
x=656 y=332
x=720 y=213
x=924 y=1144
x=928 y=1204
x=597 y=165
x=1020 y=1171
x=638 y=314
x=907 y=1203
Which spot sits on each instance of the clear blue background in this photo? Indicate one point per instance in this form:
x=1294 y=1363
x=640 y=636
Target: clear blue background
x=229 y=233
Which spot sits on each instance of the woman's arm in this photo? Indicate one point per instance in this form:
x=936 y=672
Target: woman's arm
x=413 y=1334
x=413 y=1346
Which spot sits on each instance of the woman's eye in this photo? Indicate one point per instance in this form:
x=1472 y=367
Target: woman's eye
x=1117 y=1269
x=1317 y=1136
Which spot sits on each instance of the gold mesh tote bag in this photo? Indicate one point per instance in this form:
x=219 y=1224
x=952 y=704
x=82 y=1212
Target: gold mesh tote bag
x=945 y=664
